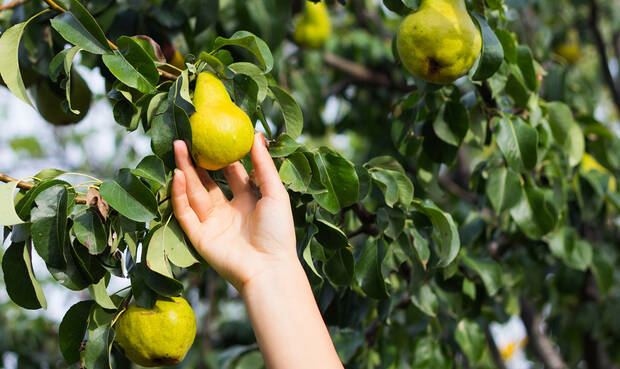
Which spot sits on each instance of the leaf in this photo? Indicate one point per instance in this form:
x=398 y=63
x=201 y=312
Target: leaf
x=245 y=93
x=132 y=65
x=445 y=232
x=534 y=214
x=391 y=180
x=492 y=53
x=426 y=301
x=176 y=249
x=283 y=146
x=90 y=231
x=254 y=72
x=24 y=205
x=72 y=330
x=427 y=354
x=338 y=176
x=155 y=251
x=296 y=172
x=75 y=33
x=452 y=123
x=489 y=271
x=96 y=354
x=339 y=267
x=503 y=188
x=566 y=246
x=49 y=225
x=293 y=117
x=19 y=279
x=130 y=197
x=168 y=124
x=525 y=61
x=518 y=142
x=159 y=283
x=250 y=42
x=603 y=271
x=9 y=59
x=152 y=168
x=100 y=295
x=509 y=44
x=144 y=296
x=368 y=270
x=471 y=339
x=8 y=215
x=566 y=132
x=62 y=63
x=329 y=235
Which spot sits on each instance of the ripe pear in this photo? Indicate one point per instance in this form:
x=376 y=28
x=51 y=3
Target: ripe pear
x=439 y=43
x=48 y=98
x=570 y=52
x=222 y=133
x=588 y=163
x=313 y=27
x=160 y=336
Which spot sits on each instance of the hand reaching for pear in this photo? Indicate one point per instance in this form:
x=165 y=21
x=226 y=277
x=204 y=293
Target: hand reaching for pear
x=243 y=237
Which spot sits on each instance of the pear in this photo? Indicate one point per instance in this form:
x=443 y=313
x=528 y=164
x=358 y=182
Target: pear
x=222 y=133
x=49 y=98
x=160 y=336
x=313 y=27
x=439 y=43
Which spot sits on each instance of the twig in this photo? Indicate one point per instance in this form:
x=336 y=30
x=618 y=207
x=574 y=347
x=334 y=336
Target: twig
x=368 y=219
x=167 y=75
x=13 y=4
x=600 y=46
x=363 y=74
x=55 y=6
x=30 y=185
x=542 y=345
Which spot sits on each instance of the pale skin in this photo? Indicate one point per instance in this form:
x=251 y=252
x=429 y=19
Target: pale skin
x=251 y=243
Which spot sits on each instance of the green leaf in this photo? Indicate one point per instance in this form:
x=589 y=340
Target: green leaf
x=566 y=246
x=90 y=231
x=155 y=250
x=339 y=267
x=534 y=214
x=471 y=339
x=426 y=301
x=469 y=289
x=452 y=123
x=254 y=72
x=25 y=204
x=305 y=245
x=62 y=63
x=72 y=330
x=427 y=354
x=509 y=44
x=100 y=295
x=368 y=269
x=77 y=34
x=283 y=146
x=391 y=179
x=518 y=141
x=338 y=176
x=293 y=117
x=329 y=235
x=21 y=284
x=144 y=296
x=152 y=168
x=603 y=271
x=130 y=197
x=492 y=53
x=175 y=247
x=566 y=132
x=525 y=61
x=169 y=123
x=503 y=188
x=489 y=271
x=96 y=354
x=296 y=172
x=8 y=215
x=9 y=59
x=250 y=42
x=132 y=65
x=445 y=231
x=49 y=225
x=159 y=283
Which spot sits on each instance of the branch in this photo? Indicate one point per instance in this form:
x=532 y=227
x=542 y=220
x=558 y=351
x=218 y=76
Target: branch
x=600 y=46
x=54 y=6
x=368 y=219
x=30 y=185
x=13 y=4
x=541 y=344
x=362 y=74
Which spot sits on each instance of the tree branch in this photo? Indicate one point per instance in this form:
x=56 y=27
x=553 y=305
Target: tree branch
x=602 y=51
x=362 y=74
x=30 y=185
x=368 y=219
x=13 y=4
x=540 y=343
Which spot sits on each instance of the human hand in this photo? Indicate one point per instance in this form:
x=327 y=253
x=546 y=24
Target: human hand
x=243 y=237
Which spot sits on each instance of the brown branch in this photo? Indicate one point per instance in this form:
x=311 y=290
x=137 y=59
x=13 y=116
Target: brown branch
x=167 y=75
x=602 y=51
x=368 y=219
x=30 y=185
x=457 y=190
x=497 y=357
x=362 y=74
x=13 y=4
x=540 y=343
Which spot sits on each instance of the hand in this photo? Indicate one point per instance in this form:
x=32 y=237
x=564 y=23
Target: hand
x=245 y=236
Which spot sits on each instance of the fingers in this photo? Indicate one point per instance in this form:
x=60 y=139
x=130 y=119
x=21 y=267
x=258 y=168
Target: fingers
x=182 y=209
x=266 y=172
x=196 y=193
x=215 y=192
x=238 y=179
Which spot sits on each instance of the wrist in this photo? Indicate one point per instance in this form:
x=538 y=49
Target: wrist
x=282 y=276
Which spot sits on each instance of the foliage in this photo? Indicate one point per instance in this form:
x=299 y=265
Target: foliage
x=449 y=208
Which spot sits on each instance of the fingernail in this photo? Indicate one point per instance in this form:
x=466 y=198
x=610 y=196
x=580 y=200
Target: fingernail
x=263 y=140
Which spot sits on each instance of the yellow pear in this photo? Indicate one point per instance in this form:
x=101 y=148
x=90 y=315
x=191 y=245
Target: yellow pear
x=588 y=163
x=160 y=336
x=48 y=99
x=178 y=60
x=439 y=43
x=570 y=52
x=313 y=27
x=222 y=133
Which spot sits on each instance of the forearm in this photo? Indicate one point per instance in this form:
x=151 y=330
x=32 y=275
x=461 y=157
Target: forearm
x=287 y=322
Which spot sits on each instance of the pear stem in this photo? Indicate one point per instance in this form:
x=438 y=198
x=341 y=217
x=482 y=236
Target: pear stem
x=261 y=117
